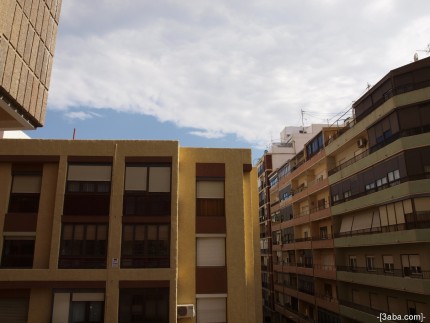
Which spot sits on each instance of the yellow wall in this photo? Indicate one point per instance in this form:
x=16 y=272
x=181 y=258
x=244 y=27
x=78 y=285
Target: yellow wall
x=242 y=238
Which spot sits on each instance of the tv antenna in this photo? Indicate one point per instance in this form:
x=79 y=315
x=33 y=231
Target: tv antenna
x=427 y=51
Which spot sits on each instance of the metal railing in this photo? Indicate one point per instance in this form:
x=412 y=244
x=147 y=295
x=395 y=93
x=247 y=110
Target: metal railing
x=413 y=221
x=374 y=148
x=406 y=272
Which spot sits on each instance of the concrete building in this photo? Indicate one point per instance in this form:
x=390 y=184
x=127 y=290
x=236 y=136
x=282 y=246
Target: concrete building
x=28 y=31
x=292 y=141
x=350 y=214
x=127 y=231
x=380 y=198
x=304 y=272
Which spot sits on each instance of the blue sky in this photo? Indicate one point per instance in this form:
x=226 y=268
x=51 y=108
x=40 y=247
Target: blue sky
x=227 y=73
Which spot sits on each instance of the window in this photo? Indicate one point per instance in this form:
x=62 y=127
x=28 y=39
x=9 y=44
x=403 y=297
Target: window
x=78 y=307
x=328 y=291
x=88 y=178
x=213 y=309
x=388 y=264
x=411 y=265
x=144 y=305
x=147 y=189
x=370 y=187
x=210 y=198
x=381 y=182
x=14 y=309
x=323 y=233
x=335 y=197
x=25 y=193
x=393 y=177
x=346 y=195
x=83 y=246
x=145 y=246
x=88 y=189
x=210 y=251
x=370 y=263
x=18 y=252
x=353 y=263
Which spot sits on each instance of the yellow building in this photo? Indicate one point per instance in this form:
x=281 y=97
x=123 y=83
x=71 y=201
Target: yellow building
x=127 y=231
x=28 y=30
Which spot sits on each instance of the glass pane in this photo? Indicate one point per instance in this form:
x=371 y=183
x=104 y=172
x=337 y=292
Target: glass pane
x=101 y=232
x=67 y=232
x=91 y=232
x=127 y=233
x=78 y=312
x=163 y=232
x=88 y=187
x=140 y=232
x=96 y=312
x=79 y=232
x=152 y=232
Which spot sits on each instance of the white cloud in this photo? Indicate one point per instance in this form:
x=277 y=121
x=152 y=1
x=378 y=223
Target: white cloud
x=241 y=67
x=81 y=115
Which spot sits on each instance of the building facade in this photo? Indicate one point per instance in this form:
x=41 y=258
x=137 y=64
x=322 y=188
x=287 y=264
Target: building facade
x=28 y=31
x=349 y=214
x=127 y=231
x=380 y=199
x=292 y=141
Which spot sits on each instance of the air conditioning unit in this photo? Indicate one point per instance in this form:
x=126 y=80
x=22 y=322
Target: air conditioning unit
x=185 y=311
x=361 y=143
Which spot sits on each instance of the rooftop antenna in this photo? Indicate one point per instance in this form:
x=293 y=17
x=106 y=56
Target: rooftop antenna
x=303 y=124
x=427 y=51
x=74 y=133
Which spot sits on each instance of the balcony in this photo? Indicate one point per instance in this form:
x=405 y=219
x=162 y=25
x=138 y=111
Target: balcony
x=145 y=262
x=401 y=134
x=398 y=279
x=325 y=271
x=328 y=302
x=323 y=242
x=359 y=312
x=82 y=263
x=415 y=229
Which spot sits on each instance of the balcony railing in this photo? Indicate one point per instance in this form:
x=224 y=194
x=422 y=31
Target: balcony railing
x=413 y=221
x=362 y=308
x=82 y=263
x=401 y=134
x=145 y=262
x=382 y=187
x=406 y=272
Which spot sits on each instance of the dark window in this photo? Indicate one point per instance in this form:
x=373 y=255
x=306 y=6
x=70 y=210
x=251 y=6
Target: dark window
x=315 y=146
x=144 y=305
x=147 y=189
x=86 y=311
x=18 y=252
x=88 y=189
x=83 y=246
x=210 y=198
x=25 y=193
x=145 y=246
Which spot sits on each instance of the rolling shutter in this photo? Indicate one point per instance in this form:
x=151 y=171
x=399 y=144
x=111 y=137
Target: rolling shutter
x=13 y=310
x=211 y=252
x=97 y=173
x=211 y=310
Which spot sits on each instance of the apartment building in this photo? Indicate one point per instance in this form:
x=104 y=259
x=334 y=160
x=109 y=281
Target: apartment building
x=380 y=199
x=127 y=231
x=28 y=31
x=292 y=140
x=349 y=214
x=302 y=236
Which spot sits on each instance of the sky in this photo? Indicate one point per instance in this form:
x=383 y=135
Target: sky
x=225 y=73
